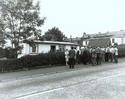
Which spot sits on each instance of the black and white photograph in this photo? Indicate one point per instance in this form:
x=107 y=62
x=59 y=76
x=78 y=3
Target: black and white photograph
x=62 y=49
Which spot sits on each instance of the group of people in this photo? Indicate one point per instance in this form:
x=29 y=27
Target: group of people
x=91 y=55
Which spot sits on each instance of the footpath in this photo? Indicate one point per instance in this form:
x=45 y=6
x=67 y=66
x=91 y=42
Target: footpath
x=4 y=77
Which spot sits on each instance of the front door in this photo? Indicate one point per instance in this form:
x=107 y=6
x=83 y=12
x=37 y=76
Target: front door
x=53 y=48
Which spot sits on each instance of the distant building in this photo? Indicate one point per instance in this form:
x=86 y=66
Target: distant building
x=117 y=37
x=45 y=46
x=82 y=41
x=85 y=39
x=105 y=39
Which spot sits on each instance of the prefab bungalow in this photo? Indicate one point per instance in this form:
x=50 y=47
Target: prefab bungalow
x=38 y=46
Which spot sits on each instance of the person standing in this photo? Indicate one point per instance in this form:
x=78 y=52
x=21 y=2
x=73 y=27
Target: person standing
x=116 y=54
x=112 y=52
x=85 y=56
x=93 y=57
x=90 y=55
x=107 y=53
x=66 y=56
x=78 y=57
x=75 y=54
x=103 y=54
x=98 y=52
x=72 y=58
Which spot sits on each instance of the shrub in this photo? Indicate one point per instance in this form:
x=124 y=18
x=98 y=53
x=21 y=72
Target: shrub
x=2 y=52
x=43 y=59
x=33 y=61
x=10 y=65
x=30 y=61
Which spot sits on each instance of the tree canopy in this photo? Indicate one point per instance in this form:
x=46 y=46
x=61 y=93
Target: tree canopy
x=20 y=20
x=54 y=34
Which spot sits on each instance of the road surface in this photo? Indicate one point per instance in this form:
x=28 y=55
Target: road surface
x=95 y=82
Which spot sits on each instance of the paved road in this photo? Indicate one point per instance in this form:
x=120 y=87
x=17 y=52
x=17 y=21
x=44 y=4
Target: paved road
x=100 y=82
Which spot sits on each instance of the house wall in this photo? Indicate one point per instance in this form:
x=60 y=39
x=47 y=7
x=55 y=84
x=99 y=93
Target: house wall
x=123 y=40
x=85 y=43
x=65 y=47
x=25 y=50
x=57 y=47
x=40 y=48
x=68 y=47
x=43 y=48
x=118 y=41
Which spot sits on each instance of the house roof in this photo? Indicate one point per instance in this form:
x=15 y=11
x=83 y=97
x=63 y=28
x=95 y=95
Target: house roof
x=55 y=42
x=118 y=34
x=99 y=42
x=114 y=34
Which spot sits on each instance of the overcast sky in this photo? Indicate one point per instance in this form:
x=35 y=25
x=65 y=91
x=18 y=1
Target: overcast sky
x=73 y=17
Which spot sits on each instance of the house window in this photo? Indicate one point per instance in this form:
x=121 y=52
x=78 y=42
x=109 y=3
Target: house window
x=53 y=48
x=61 y=48
x=33 y=48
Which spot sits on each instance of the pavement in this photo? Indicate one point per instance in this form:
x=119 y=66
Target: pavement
x=47 y=71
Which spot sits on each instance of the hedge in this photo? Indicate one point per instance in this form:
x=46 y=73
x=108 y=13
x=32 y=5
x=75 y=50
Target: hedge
x=2 y=53
x=33 y=61
x=10 y=65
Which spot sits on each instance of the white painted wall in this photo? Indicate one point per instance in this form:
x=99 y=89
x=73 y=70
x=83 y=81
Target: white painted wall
x=85 y=43
x=68 y=47
x=118 y=40
x=25 y=50
x=40 y=48
x=43 y=48
x=123 y=40
x=57 y=47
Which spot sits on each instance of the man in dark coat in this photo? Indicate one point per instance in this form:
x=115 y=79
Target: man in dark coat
x=98 y=52
x=93 y=57
x=85 y=56
x=72 y=55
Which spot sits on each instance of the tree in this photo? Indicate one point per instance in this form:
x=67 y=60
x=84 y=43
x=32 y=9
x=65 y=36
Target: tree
x=2 y=41
x=21 y=20
x=54 y=34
